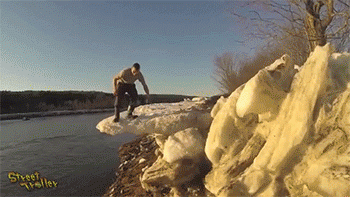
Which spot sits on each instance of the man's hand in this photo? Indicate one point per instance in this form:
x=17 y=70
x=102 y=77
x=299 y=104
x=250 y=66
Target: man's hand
x=115 y=93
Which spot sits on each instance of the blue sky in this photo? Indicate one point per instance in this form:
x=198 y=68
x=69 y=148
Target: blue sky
x=81 y=45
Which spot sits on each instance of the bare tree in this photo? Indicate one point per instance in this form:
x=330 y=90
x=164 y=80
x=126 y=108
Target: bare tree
x=232 y=70
x=315 y=21
x=225 y=73
x=293 y=27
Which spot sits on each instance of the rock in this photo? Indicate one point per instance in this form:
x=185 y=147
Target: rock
x=25 y=118
x=142 y=160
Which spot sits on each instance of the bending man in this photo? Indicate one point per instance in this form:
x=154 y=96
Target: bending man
x=124 y=83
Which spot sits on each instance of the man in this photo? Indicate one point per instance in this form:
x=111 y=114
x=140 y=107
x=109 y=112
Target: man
x=124 y=83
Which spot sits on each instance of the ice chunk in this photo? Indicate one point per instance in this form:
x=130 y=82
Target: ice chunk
x=266 y=90
x=188 y=143
x=219 y=104
x=199 y=99
x=227 y=132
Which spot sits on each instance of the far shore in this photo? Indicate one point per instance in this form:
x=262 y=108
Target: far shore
x=27 y=116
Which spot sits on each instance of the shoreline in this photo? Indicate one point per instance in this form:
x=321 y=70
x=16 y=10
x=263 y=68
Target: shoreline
x=134 y=156
x=27 y=116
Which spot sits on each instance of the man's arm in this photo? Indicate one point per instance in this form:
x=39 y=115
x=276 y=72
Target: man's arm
x=119 y=76
x=115 y=83
x=145 y=87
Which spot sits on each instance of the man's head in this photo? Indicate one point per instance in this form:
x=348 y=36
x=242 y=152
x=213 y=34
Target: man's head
x=135 y=69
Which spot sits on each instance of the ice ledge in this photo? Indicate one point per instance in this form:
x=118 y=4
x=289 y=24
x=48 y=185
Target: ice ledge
x=162 y=118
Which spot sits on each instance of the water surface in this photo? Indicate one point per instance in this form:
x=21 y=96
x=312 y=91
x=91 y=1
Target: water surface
x=66 y=149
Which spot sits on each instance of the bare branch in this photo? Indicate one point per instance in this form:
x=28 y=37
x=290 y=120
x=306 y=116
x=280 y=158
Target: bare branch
x=330 y=14
x=315 y=21
x=345 y=4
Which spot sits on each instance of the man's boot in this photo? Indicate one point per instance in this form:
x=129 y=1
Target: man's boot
x=130 y=110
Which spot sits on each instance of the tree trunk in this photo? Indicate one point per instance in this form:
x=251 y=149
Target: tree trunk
x=315 y=27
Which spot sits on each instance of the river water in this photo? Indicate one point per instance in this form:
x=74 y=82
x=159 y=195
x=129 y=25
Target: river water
x=67 y=151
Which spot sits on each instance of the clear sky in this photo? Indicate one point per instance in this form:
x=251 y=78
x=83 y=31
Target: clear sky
x=81 y=45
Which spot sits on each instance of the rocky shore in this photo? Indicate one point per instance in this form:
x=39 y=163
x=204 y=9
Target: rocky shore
x=135 y=157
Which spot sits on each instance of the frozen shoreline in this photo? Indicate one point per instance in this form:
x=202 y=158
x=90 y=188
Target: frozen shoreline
x=26 y=116
x=273 y=143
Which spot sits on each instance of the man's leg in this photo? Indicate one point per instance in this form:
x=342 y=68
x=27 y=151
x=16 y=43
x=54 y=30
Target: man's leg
x=116 y=110
x=118 y=102
x=133 y=96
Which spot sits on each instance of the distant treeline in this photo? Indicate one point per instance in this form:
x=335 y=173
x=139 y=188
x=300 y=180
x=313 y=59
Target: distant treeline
x=40 y=101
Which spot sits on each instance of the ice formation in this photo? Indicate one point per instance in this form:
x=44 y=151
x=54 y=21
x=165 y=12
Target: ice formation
x=293 y=123
x=162 y=118
x=264 y=158
x=182 y=153
x=264 y=93
x=228 y=131
x=188 y=143
x=301 y=148
x=219 y=104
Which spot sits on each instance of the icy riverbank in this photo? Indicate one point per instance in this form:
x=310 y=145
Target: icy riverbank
x=162 y=118
x=272 y=136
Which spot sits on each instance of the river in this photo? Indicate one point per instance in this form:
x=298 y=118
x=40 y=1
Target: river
x=62 y=156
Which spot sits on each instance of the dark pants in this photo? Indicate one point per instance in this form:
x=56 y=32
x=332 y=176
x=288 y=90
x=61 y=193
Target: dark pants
x=123 y=88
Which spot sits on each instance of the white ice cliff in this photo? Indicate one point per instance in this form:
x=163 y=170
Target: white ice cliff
x=255 y=159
